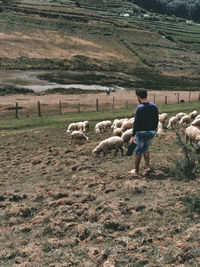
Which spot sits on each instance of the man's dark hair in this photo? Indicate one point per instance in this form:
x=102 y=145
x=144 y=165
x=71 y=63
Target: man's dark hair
x=141 y=92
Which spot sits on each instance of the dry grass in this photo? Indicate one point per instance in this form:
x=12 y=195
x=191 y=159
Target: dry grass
x=61 y=206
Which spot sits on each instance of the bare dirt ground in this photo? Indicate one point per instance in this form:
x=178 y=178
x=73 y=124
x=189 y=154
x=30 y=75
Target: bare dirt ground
x=60 y=206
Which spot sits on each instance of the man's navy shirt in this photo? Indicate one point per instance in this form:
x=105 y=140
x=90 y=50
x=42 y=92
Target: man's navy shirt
x=146 y=117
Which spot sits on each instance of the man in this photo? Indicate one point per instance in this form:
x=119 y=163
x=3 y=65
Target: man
x=144 y=129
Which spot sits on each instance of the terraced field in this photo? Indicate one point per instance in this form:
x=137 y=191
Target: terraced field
x=98 y=37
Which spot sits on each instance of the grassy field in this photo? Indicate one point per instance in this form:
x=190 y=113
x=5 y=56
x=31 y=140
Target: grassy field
x=61 y=206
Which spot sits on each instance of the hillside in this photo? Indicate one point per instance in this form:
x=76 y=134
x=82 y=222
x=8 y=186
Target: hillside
x=100 y=38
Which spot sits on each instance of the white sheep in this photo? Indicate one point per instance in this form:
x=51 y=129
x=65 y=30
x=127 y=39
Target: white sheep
x=192 y=133
x=100 y=127
x=172 y=122
x=117 y=132
x=159 y=129
x=185 y=119
x=127 y=125
x=126 y=136
x=193 y=114
x=114 y=142
x=107 y=124
x=180 y=115
x=86 y=125
x=118 y=123
x=163 y=117
x=72 y=127
x=197 y=117
x=195 y=122
x=78 y=135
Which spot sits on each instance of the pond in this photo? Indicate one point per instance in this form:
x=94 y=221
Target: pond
x=29 y=79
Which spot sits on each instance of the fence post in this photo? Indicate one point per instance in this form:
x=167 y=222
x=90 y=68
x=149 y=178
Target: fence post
x=39 y=111
x=178 y=98
x=126 y=104
x=16 y=111
x=165 y=100
x=199 y=97
x=113 y=103
x=97 y=104
x=60 y=108
x=79 y=107
x=154 y=98
x=189 y=96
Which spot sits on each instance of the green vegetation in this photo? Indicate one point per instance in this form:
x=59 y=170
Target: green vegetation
x=91 y=116
x=9 y=90
x=193 y=202
x=186 y=167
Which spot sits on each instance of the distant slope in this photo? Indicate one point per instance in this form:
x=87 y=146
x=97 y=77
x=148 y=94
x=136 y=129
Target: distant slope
x=100 y=37
x=188 y=9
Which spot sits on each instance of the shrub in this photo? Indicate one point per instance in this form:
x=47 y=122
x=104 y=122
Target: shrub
x=185 y=167
x=193 y=202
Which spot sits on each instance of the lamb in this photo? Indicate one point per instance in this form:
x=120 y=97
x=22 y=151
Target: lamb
x=127 y=135
x=172 y=122
x=185 y=119
x=78 y=135
x=159 y=129
x=163 y=117
x=180 y=115
x=127 y=125
x=196 y=122
x=114 y=142
x=192 y=133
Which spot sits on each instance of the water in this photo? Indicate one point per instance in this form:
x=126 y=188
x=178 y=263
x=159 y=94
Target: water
x=30 y=80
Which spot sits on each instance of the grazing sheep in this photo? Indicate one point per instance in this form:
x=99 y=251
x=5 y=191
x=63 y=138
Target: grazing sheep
x=163 y=117
x=180 y=115
x=107 y=124
x=100 y=127
x=118 y=123
x=185 y=119
x=193 y=114
x=126 y=136
x=78 y=135
x=86 y=125
x=159 y=129
x=117 y=132
x=192 y=133
x=172 y=122
x=114 y=142
x=195 y=122
x=127 y=125
x=80 y=126
x=72 y=127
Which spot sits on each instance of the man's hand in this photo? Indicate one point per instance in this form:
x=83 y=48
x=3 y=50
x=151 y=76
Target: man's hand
x=132 y=139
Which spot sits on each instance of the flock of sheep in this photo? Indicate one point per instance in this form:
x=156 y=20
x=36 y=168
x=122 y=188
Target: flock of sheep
x=122 y=130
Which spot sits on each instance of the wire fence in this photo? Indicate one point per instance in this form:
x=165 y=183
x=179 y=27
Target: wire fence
x=33 y=106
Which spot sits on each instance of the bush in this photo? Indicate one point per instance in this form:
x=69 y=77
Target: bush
x=187 y=166
x=193 y=202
